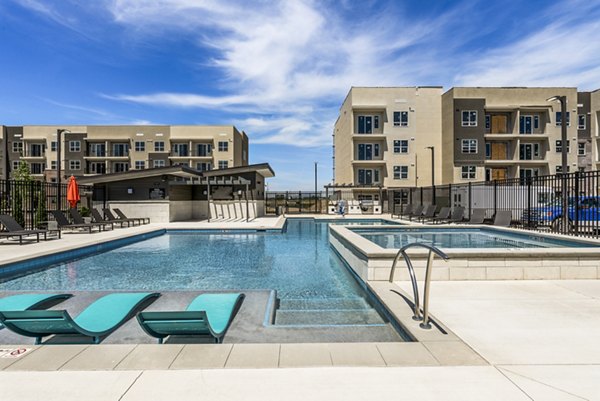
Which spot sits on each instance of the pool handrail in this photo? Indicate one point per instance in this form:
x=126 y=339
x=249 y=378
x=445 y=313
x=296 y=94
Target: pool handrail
x=411 y=271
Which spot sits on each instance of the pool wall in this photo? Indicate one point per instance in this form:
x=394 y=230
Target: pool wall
x=373 y=263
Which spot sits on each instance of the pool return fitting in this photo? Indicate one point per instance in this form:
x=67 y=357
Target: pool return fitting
x=425 y=324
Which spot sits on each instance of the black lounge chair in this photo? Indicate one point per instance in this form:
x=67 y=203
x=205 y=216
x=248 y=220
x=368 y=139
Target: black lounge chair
x=503 y=218
x=428 y=213
x=416 y=212
x=443 y=214
x=14 y=229
x=144 y=220
x=477 y=217
x=407 y=210
x=110 y=216
x=457 y=215
x=63 y=223
x=78 y=219
x=97 y=218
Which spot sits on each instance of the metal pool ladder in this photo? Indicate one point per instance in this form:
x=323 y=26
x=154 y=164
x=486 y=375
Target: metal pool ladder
x=425 y=324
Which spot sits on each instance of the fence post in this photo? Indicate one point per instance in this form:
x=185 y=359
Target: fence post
x=421 y=190
x=433 y=195
x=529 y=202
x=470 y=199
x=576 y=200
x=286 y=202
x=495 y=197
x=450 y=196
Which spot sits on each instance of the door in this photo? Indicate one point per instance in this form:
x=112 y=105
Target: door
x=499 y=151
x=498 y=174
x=499 y=124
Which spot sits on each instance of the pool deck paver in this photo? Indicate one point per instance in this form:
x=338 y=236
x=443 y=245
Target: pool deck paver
x=202 y=356
x=256 y=356
x=106 y=357
x=47 y=358
x=304 y=355
x=150 y=356
x=353 y=354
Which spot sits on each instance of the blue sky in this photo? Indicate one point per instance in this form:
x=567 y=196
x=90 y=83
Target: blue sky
x=278 y=70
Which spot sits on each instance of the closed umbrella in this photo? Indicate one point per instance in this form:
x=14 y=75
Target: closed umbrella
x=73 y=192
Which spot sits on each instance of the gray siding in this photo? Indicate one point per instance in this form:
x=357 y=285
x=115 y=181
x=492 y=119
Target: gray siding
x=461 y=132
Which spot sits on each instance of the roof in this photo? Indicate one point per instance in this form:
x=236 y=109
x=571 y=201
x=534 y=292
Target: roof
x=178 y=171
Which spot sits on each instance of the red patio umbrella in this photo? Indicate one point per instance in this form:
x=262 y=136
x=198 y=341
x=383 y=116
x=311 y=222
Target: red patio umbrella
x=73 y=192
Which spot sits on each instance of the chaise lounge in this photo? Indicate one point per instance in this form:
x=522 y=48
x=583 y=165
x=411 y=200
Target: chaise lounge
x=142 y=220
x=99 y=219
x=21 y=302
x=14 y=229
x=207 y=315
x=99 y=319
x=63 y=223
x=78 y=219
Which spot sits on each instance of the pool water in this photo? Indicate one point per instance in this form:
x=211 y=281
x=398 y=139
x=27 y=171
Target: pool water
x=314 y=286
x=463 y=238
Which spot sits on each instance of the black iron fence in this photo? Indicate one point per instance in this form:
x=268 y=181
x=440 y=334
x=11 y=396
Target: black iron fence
x=30 y=202
x=536 y=203
x=295 y=202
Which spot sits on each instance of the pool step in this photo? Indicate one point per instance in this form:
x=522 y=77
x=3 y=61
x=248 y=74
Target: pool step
x=323 y=304
x=327 y=317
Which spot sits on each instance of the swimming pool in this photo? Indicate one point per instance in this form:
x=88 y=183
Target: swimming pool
x=472 y=238
x=314 y=286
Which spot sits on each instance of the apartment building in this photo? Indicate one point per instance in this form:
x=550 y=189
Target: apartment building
x=94 y=149
x=386 y=137
x=593 y=122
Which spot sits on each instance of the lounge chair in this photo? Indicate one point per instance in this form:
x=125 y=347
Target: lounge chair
x=417 y=211
x=207 y=315
x=14 y=229
x=63 y=223
x=144 y=220
x=457 y=215
x=78 y=219
x=503 y=218
x=100 y=318
x=477 y=217
x=406 y=210
x=428 y=213
x=21 y=302
x=443 y=214
x=97 y=217
x=108 y=214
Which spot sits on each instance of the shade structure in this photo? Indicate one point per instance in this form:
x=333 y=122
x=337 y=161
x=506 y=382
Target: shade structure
x=73 y=192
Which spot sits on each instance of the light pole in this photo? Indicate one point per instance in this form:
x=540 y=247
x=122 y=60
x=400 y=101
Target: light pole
x=432 y=171
x=59 y=133
x=564 y=154
x=316 y=201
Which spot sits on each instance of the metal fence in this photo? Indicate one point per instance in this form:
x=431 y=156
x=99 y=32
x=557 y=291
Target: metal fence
x=30 y=202
x=295 y=202
x=536 y=203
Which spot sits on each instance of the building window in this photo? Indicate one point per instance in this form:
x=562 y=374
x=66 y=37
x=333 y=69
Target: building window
x=15 y=165
x=97 y=149
x=469 y=145
x=401 y=146
x=180 y=149
x=469 y=118
x=559 y=119
x=468 y=172
x=526 y=125
x=158 y=163
x=120 y=149
x=488 y=150
x=140 y=146
x=558 y=169
x=581 y=121
x=53 y=145
x=368 y=151
x=203 y=166
x=400 y=172
x=366 y=124
x=223 y=146
x=203 y=149
x=367 y=176
x=74 y=146
x=74 y=165
x=559 y=146
x=487 y=122
x=97 y=168
x=536 y=122
x=52 y=164
x=401 y=118
x=581 y=149
x=17 y=147
x=37 y=168
x=140 y=164
x=121 y=167
x=529 y=151
x=159 y=146
x=529 y=172
x=223 y=164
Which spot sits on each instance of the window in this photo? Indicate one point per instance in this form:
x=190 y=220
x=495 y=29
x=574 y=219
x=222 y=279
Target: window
x=559 y=169
x=469 y=145
x=581 y=149
x=52 y=164
x=401 y=146
x=366 y=124
x=120 y=149
x=140 y=164
x=203 y=166
x=367 y=151
x=158 y=163
x=401 y=118
x=203 y=149
x=367 y=176
x=120 y=167
x=529 y=151
x=581 y=121
x=468 y=172
x=526 y=125
x=53 y=145
x=17 y=147
x=15 y=165
x=180 y=149
x=469 y=118
x=37 y=168
x=74 y=165
x=487 y=122
x=223 y=164
x=159 y=146
x=559 y=146
x=536 y=122
x=74 y=146
x=529 y=172
x=140 y=146
x=488 y=150
x=97 y=149
x=559 y=118
x=37 y=150
x=223 y=146
x=97 y=168
x=400 y=172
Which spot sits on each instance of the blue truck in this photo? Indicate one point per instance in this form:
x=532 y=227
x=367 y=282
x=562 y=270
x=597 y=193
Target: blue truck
x=582 y=210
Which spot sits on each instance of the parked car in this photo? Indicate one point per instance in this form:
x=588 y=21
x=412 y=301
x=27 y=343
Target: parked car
x=583 y=210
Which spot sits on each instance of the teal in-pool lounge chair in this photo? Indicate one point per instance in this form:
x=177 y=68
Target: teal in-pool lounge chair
x=21 y=302
x=206 y=315
x=100 y=318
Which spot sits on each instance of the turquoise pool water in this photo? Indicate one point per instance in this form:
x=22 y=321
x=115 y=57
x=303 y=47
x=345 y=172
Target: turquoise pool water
x=312 y=282
x=473 y=238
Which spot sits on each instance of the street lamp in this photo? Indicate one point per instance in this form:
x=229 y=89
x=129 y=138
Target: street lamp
x=316 y=201
x=564 y=161
x=59 y=133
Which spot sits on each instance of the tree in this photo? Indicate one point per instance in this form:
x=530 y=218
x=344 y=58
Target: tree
x=22 y=179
